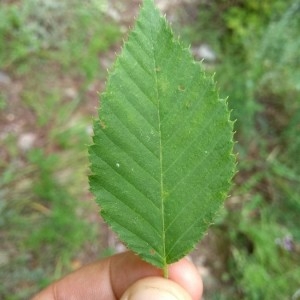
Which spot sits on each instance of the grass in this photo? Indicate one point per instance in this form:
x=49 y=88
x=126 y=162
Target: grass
x=50 y=51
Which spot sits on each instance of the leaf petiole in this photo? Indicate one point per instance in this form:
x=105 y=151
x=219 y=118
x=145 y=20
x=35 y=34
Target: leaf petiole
x=166 y=271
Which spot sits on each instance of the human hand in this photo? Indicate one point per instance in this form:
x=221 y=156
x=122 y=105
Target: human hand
x=126 y=277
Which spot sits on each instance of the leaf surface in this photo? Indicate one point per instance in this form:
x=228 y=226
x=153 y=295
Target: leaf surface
x=161 y=158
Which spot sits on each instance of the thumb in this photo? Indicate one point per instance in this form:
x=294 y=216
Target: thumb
x=155 y=288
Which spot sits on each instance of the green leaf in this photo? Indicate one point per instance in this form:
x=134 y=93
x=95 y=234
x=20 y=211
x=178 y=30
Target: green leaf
x=162 y=158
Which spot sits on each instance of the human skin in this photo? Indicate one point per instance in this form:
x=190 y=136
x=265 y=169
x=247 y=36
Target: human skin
x=110 y=278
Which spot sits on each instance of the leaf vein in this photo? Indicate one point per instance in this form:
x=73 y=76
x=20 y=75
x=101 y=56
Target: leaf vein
x=193 y=111
x=128 y=73
x=197 y=166
x=192 y=142
x=118 y=199
x=126 y=180
x=129 y=129
x=190 y=227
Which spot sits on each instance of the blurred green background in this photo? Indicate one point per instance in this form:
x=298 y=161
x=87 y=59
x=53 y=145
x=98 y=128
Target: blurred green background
x=54 y=57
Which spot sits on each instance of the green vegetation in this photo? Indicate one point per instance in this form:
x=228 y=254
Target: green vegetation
x=49 y=78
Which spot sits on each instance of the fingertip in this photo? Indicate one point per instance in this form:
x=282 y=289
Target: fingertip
x=155 y=288
x=185 y=273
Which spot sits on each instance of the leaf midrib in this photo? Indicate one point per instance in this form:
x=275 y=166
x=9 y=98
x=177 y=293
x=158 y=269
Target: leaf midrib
x=161 y=171
x=165 y=265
